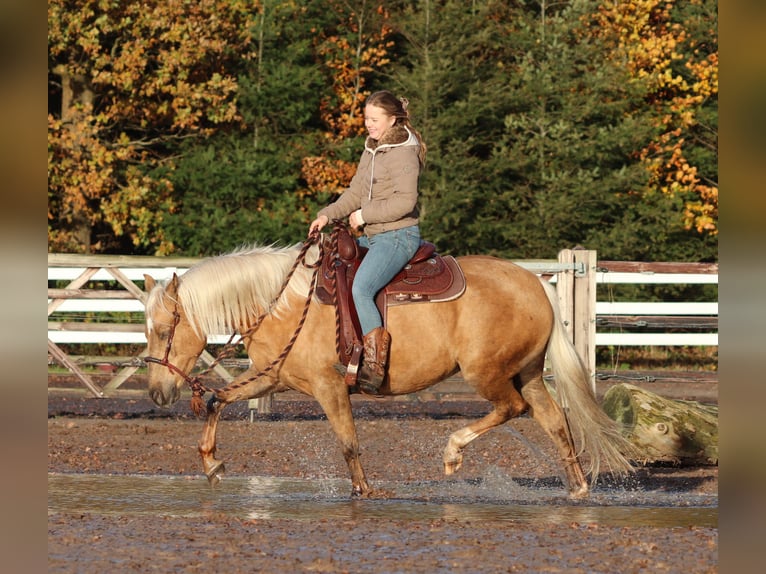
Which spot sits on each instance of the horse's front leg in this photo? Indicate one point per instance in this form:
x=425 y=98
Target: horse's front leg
x=213 y=467
x=242 y=388
x=335 y=401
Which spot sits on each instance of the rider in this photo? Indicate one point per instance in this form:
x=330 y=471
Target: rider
x=382 y=201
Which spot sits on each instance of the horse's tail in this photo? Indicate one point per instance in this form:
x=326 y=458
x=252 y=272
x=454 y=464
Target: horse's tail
x=596 y=435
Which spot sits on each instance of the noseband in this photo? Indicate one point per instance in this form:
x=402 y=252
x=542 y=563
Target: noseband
x=197 y=388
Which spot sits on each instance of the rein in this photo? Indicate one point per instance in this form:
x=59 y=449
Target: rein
x=197 y=388
x=334 y=282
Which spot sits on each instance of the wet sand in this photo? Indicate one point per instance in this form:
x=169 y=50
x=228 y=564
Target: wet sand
x=401 y=444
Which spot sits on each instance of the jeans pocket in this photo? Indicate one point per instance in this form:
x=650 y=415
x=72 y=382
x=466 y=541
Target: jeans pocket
x=412 y=235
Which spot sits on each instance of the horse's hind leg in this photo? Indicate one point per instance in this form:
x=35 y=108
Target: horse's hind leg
x=510 y=406
x=551 y=417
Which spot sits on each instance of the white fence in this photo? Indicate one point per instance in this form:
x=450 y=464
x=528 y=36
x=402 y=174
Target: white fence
x=700 y=315
x=76 y=312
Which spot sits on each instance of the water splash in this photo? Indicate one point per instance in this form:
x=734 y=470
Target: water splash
x=308 y=499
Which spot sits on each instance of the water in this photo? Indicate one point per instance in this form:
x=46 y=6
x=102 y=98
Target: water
x=493 y=498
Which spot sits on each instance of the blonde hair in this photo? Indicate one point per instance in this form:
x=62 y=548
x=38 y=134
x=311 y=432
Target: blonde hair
x=397 y=107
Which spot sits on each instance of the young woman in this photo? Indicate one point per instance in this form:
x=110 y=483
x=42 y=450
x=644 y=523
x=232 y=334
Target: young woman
x=381 y=200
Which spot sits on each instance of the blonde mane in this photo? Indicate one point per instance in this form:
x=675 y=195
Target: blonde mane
x=221 y=294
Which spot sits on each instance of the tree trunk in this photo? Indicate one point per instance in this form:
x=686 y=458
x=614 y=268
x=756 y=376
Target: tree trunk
x=664 y=430
x=75 y=92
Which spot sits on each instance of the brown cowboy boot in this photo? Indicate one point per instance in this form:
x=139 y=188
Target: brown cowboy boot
x=376 y=345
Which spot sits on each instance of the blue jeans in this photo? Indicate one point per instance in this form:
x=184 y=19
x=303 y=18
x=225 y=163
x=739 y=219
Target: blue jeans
x=388 y=253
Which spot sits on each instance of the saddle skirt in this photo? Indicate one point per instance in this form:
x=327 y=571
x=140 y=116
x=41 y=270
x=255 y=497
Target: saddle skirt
x=427 y=278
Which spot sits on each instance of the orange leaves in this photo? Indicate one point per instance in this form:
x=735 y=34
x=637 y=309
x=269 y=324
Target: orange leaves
x=702 y=215
x=165 y=67
x=137 y=207
x=645 y=37
x=134 y=76
x=326 y=175
x=79 y=162
x=351 y=52
x=80 y=172
x=652 y=44
x=705 y=73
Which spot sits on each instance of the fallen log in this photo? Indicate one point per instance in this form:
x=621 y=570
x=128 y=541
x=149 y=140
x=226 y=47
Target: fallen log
x=664 y=430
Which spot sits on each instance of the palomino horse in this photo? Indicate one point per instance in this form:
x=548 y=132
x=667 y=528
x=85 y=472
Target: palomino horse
x=496 y=334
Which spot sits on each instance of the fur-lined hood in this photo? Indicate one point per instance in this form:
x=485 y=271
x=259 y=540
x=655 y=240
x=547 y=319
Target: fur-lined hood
x=394 y=136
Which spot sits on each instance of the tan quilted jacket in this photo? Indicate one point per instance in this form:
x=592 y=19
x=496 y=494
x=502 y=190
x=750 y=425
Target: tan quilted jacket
x=385 y=185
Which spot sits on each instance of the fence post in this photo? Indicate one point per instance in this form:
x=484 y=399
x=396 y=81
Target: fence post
x=565 y=291
x=262 y=405
x=576 y=289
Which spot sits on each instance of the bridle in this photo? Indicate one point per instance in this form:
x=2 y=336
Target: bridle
x=198 y=389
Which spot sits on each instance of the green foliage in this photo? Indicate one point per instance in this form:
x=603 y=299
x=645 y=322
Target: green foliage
x=243 y=186
x=531 y=140
x=281 y=90
x=231 y=193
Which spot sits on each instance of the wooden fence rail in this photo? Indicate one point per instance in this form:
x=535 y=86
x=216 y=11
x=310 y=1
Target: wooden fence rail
x=102 y=302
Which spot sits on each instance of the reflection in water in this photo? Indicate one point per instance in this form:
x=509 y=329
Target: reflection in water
x=260 y=497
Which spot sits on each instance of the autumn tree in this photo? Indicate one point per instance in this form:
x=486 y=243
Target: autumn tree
x=536 y=130
x=350 y=50
x=129 y=81
x=672 y=47
x=197 y=127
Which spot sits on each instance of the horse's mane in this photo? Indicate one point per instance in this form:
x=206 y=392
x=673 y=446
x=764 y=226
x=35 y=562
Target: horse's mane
x=221 y=294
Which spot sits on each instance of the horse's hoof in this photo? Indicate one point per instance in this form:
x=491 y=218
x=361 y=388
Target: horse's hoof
x=452 y=466
x=215 y=474
x=361 y=491
x=452 y=458
x=213 y=404
x=580 y=492
x=360 y=494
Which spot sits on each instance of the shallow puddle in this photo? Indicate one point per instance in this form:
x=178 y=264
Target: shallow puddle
x=258 y=497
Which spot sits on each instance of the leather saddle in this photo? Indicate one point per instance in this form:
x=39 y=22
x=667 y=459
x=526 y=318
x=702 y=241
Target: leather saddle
x=427 y=277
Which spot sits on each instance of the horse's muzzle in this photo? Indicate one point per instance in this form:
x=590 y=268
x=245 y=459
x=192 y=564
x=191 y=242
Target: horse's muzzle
x=162 y=399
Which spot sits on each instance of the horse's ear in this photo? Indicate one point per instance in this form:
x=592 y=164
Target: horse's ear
x=172 y=287
x=149 y=282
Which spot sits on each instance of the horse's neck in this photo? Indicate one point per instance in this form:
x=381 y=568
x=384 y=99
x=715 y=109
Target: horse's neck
x=287 y=310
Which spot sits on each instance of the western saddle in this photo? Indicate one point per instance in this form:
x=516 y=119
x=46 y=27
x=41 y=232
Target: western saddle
x=428 y=277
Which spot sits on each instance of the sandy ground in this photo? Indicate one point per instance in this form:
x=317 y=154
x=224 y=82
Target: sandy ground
x=401 y=441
